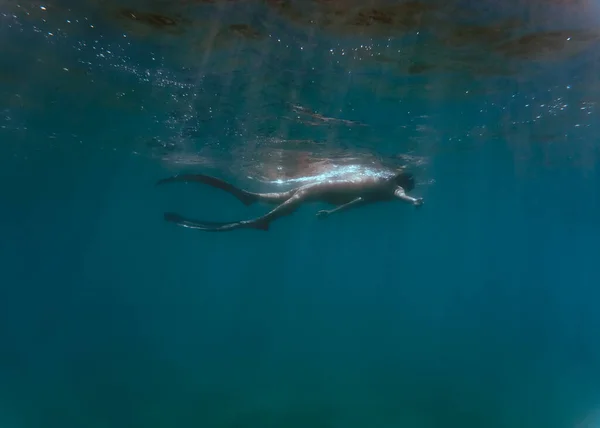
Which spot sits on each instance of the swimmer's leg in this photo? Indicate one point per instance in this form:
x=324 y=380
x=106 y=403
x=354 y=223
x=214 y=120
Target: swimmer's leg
x=352 y=204
x=401 y=194
x=261 y=223
x=247 y=198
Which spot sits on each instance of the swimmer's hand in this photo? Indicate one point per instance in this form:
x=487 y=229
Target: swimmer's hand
x=418 y=202
x=323 y=213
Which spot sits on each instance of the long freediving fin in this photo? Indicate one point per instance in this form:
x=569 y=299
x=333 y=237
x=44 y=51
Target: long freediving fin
x=213 y=226
x=247 y=198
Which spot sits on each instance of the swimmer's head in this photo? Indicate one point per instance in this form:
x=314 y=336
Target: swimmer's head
x=405 y=180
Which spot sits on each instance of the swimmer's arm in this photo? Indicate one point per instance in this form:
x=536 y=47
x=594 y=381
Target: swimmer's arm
x=401 y=194
x=351 y=204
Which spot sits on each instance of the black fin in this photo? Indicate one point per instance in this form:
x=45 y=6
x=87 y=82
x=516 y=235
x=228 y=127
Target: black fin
x=262 y=226
x=247 y=198
x=212 y=226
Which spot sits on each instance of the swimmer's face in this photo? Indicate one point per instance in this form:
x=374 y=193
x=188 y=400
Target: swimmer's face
x=405 y=180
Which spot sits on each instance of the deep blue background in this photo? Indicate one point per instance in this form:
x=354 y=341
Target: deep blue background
x=479 y=310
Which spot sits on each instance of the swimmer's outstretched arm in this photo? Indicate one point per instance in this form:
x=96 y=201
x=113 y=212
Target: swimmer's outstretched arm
x=352 y=204
x=401 y=194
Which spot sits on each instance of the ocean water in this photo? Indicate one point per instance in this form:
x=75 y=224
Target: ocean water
x=478 y=310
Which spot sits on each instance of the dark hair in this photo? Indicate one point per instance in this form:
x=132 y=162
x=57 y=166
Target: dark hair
x=406 y=180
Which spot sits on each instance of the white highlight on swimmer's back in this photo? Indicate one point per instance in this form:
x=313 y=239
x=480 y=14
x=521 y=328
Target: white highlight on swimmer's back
x=336 y=173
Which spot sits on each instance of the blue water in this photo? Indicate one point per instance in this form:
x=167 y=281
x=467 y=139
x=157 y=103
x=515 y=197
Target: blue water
x=478 y=310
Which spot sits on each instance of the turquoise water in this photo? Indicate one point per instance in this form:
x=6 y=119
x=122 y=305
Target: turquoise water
x=478 y=310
